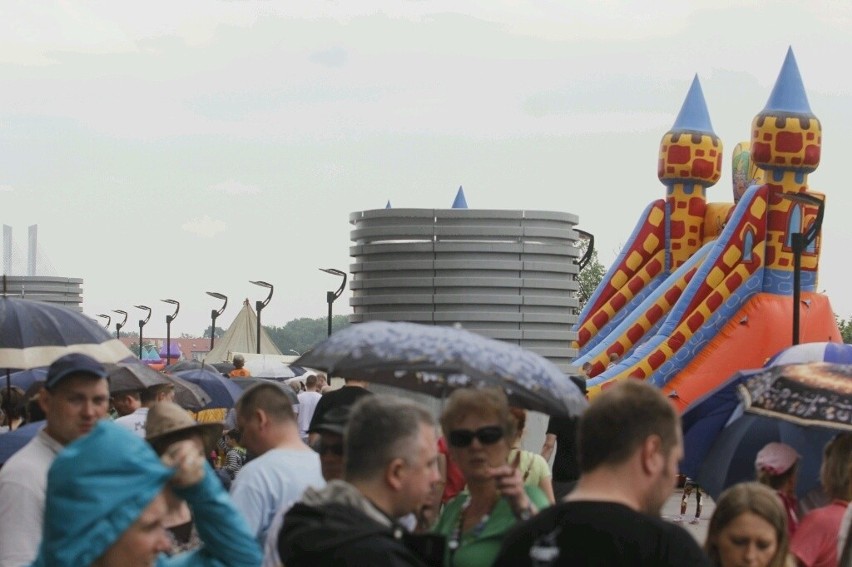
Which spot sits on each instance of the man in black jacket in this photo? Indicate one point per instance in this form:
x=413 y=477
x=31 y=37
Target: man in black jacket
x=629 y=447
x=391 y=468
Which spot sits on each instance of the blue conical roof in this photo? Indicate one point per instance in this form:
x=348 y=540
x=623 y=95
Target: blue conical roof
x=388 y=206
x=460 y=202
x=693 y=114
x=788 y=94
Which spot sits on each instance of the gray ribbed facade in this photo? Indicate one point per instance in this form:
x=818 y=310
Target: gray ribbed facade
x=505 y=274
x=67 y=292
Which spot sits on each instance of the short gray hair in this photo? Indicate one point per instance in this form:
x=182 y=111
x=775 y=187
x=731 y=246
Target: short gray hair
x=380 y=429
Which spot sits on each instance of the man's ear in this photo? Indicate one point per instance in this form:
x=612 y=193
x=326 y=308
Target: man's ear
x=394 y=474
x=262 y=418
x=651 y=454
x=43 y=399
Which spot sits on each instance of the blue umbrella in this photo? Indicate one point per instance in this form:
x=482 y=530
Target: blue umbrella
x=837 y=353
x=436 y=359
x=11 y=442
x=25 y=378
x=223 y=393
x=731 y=459
x=705 y=419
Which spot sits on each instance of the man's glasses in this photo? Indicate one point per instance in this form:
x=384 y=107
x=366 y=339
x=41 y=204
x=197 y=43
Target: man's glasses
x=464 y=437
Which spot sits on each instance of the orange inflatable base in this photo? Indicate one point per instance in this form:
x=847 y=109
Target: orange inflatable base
x=759 y=330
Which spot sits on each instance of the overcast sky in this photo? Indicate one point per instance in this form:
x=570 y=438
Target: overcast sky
x=170 y=148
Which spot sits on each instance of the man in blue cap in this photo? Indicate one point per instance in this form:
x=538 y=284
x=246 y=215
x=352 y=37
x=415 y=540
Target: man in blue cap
x=74 y=398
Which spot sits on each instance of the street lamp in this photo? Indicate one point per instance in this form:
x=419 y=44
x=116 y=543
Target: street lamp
x=799 y=241
x=118 y=326
x=214 y=314
x=169 y=319
x=142 y=323
x=330 y=296
x=590 y=249
x=107 y=317
x=259 y=305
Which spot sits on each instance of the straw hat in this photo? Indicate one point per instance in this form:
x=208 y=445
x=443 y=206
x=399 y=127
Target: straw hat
x=166 y=418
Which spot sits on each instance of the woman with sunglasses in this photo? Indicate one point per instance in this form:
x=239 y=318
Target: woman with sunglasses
x=479 y=431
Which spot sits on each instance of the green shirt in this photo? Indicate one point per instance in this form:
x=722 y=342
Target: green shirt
x=481 y=550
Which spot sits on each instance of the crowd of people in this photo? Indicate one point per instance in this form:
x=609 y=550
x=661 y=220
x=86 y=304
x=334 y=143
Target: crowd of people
x=349 y=477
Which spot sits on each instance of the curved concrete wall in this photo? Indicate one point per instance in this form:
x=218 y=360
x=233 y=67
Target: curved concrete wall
x=62 y=291
x=508 y=275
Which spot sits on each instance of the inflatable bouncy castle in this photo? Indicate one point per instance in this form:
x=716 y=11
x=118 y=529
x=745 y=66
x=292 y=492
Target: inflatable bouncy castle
x=702 y=290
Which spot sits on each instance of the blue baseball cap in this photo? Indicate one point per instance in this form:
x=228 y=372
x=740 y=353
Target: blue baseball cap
x=74 y=363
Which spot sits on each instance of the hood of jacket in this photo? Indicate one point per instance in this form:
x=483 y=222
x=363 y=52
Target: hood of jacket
x=330 y=518
x=96 y=488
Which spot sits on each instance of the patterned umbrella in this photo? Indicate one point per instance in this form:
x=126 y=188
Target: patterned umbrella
x=435 y=360
x=817 y=394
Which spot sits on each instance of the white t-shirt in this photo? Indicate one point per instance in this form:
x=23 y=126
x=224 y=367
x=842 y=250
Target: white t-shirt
x=135 y=421
x=307 y=404
x=23 y=485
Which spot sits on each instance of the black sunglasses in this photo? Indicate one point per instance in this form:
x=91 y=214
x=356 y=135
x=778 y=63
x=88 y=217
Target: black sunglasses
x=464 y=437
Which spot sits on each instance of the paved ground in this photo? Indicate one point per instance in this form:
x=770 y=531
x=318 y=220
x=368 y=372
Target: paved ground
x=671 y=510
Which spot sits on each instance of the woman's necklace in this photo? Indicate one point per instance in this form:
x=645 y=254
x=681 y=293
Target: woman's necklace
x=455 y=538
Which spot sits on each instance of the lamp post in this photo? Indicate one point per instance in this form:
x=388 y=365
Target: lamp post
x=118 y=326
x=259 y=305
x=214 y=314
x=107 y=317
x=590 y=249
x=169 y=319
x=330 y=296
x=799 y=241
x=142 y=323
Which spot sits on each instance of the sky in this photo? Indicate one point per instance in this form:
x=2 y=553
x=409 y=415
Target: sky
x=166 y=149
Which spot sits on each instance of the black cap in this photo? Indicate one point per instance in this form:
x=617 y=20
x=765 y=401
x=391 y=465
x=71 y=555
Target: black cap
x=332 y=421
x=74 y=363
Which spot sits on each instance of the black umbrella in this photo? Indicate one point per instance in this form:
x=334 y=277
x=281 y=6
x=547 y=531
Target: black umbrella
x=133 y=376
x=435 y=360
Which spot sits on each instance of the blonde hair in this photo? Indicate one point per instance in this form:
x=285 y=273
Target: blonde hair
x=486 y=403
x=836 y=467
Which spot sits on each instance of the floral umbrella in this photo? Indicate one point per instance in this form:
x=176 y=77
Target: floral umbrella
x=435 y=360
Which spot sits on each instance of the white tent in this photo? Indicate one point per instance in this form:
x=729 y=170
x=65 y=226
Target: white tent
x=241 y=337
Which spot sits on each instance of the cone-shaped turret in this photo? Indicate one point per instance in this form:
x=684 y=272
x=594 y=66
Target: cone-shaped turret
x=460 y=202
x=691 y=152
x=786 y=136
x=388 y=206
x=693 y=115
x=788 y=94
x=690 y=161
